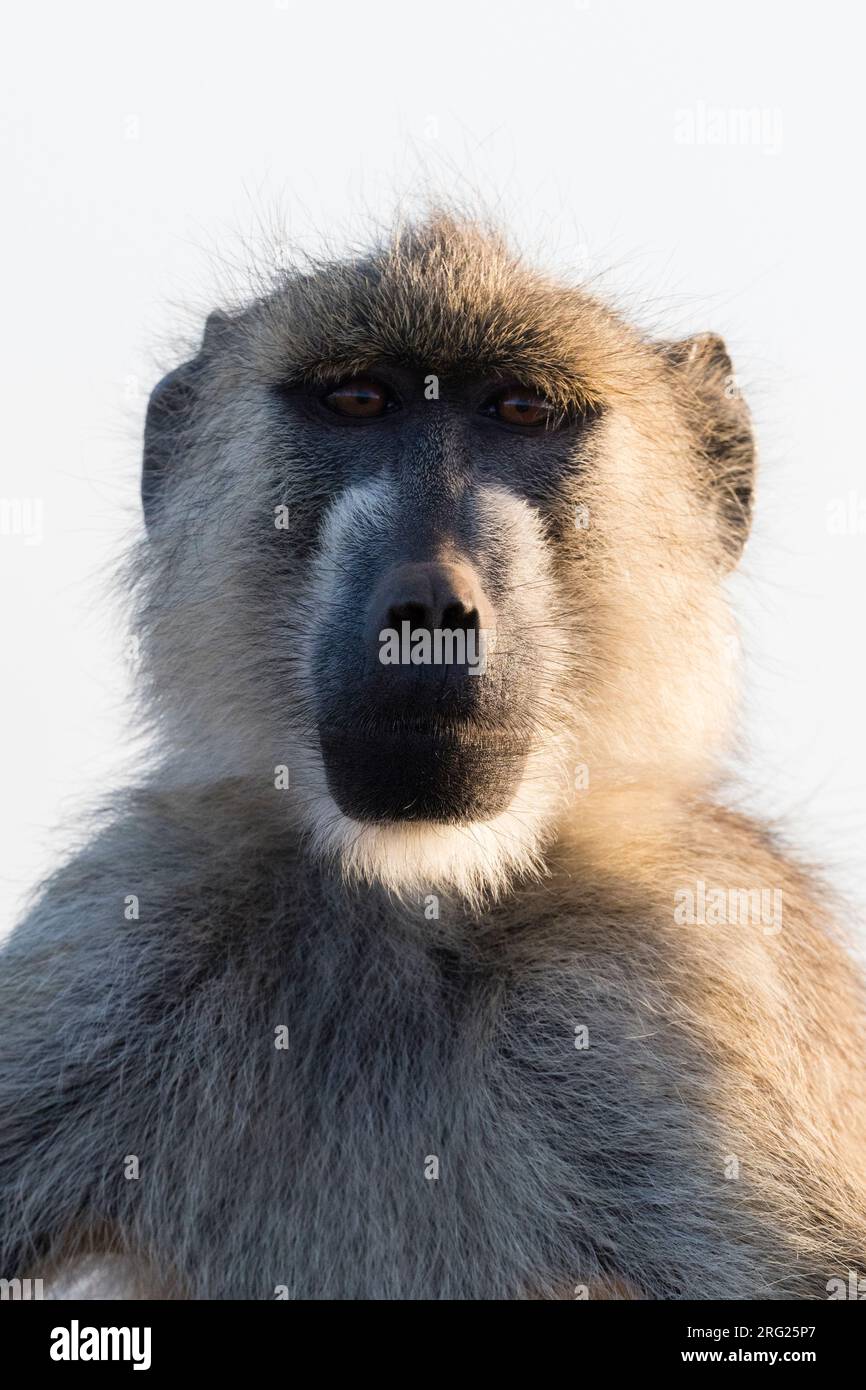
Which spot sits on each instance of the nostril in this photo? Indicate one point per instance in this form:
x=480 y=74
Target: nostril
x=457 y=617
x=435 y=598
x=415 y=614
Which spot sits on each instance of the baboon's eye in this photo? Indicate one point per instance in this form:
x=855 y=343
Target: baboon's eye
x=361 y=397
x=519 y=405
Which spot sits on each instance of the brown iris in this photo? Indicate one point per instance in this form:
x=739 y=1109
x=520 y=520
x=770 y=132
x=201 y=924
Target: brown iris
x=518 y=405
x=360 y=397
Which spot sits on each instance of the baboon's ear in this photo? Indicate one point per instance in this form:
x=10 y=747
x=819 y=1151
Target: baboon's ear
x=722 y=426
x=170 y=415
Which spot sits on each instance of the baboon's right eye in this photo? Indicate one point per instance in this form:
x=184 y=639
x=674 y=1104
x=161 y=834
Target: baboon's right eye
x=361 y=397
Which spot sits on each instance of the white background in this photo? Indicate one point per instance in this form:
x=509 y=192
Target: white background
x=145 y=146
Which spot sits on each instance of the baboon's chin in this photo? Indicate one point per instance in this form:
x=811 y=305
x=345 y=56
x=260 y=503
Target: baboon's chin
x=421 y=776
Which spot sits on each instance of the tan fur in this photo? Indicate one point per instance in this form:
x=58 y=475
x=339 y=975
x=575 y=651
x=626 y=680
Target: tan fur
x=710 y=1143
x=642 y=680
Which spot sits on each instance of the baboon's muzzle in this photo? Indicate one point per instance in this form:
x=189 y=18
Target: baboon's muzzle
x=422 y=724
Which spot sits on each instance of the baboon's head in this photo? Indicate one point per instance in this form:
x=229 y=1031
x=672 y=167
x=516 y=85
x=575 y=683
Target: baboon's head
x=446 y=541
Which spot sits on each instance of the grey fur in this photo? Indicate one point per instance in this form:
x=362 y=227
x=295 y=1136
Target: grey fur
x=409 y=1038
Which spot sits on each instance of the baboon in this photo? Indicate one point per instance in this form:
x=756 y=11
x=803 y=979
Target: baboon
x=424 y=979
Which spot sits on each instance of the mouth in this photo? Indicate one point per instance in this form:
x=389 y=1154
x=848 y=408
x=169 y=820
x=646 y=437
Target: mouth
x=451 y=773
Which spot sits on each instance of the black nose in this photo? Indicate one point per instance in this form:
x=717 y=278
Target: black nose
x=420 y=725
x=430 y=596
x=444 y=605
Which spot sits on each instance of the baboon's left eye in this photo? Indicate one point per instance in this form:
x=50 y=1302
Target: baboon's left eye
x=518 y=405
x=361 y=397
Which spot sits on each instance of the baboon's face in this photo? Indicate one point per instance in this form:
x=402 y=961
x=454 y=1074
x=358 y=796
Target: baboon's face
x=444 y=541
x=431 y=630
